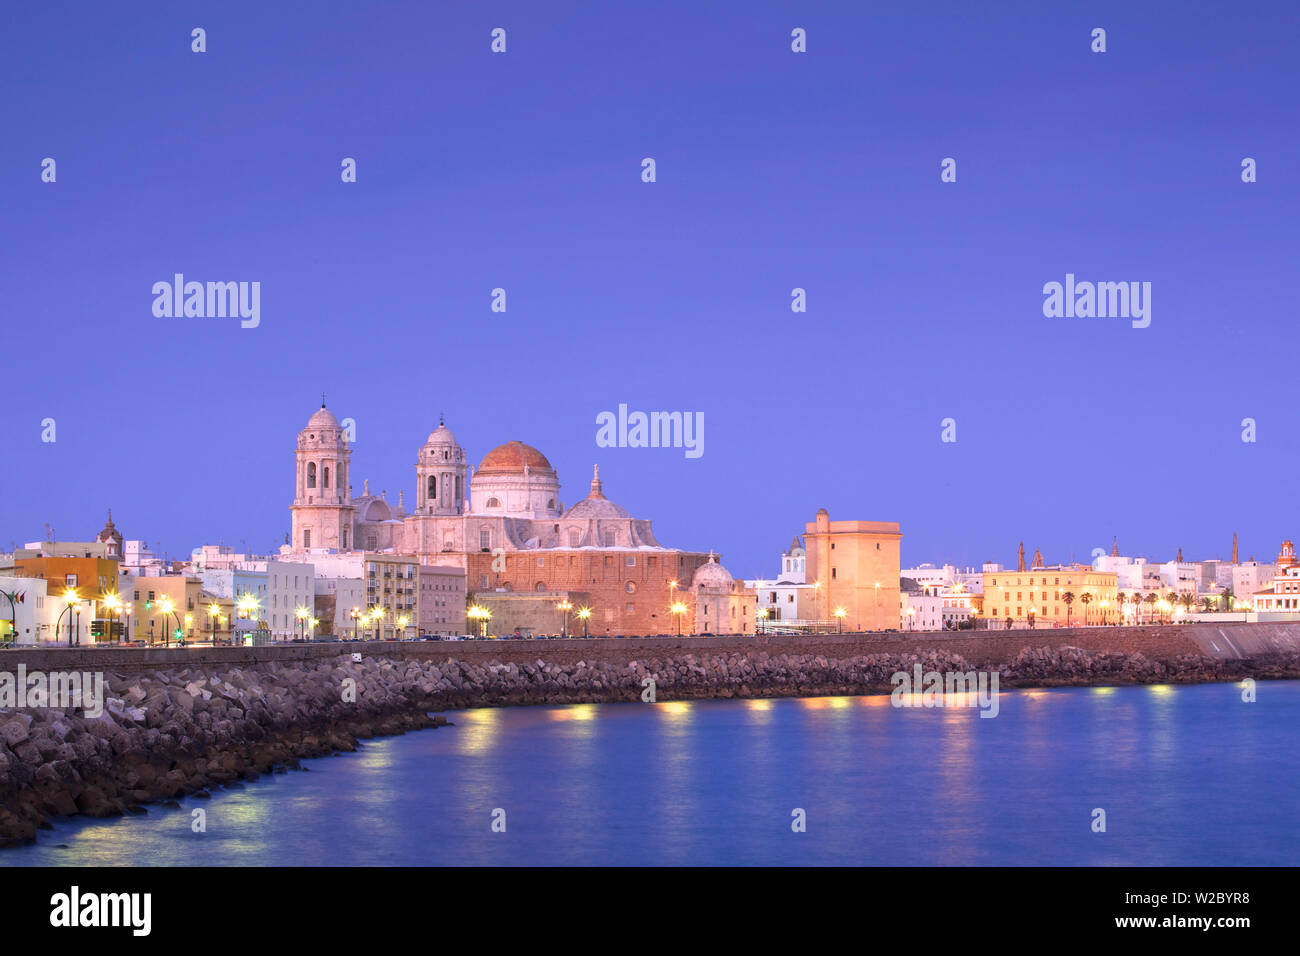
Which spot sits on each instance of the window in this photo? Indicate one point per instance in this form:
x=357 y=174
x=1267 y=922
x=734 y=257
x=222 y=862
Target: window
x=70 y=580
x=311 y=474
x=431 y=491
x=833 y=575
x=631 y=561
x=630 y=587
x=493 y=503
x=325 y=482
x=306 y=539
x=485 y=538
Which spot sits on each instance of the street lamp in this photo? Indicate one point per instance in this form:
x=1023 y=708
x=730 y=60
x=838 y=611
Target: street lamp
x=480 y=614
x=584 y=615
x=214 y=615
x=165 y=607
x=247 y=607
x=678 y=610
x=302 y=614
x=355 y=614
x=189 y=625
x=112 y=604
x=839 y=619
x=70 y=600
x=401 y=624
x=761 y=616
x=566 y=607
x=376 y=615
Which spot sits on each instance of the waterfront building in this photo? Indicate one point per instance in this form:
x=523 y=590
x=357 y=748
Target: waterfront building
x=440 y=600
x=855 y=567
x=920 y=607
x=1039 y=593
x=788 y=600
x=27 y=614
x=1249 y=578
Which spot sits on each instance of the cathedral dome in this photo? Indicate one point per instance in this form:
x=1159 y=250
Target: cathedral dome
x=712 y=575
x=323 y=418
x=511 y=459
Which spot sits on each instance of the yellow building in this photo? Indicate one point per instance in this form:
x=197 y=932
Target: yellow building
x=854 y=568
x=154 y=607
x=1052 y=596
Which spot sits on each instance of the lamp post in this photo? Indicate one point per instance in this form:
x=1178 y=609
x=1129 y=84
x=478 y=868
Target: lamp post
x=566 y=607
x=12 y=597
x=189 y=626
x=165 y=607
x=70 y=600
x=355 y=614
x=760 y=617
x=112 y=604
x=401 y=625
x=377 y=615
x=584 y=614
x=302 y=614
x=678 y=610
x=839 y=619
x=214 y=614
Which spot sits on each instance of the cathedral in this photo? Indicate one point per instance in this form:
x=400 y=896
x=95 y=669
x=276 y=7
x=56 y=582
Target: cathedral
x=523 y=552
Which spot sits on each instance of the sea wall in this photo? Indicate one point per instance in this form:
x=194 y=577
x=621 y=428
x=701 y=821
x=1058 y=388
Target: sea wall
x=167 y=732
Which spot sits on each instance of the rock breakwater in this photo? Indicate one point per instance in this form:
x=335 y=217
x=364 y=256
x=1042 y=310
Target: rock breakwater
x=170 y=733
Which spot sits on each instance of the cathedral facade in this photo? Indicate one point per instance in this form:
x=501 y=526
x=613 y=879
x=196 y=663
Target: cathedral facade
x=525 y=555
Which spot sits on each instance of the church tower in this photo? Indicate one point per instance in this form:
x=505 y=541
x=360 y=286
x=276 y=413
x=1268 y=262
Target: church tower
x=440 y=475
x=322 y=504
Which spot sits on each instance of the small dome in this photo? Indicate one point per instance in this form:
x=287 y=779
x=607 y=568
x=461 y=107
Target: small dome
x=441 y=436
x=713 y=575
x=323 y=418
x=595 y=506
x=511 y=459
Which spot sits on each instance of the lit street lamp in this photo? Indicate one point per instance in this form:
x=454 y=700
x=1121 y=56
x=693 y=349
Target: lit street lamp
x=566 y=607
x=584 y=614
x=70 y=600
x=678 y=610
x=839 y=618
x=302 y=614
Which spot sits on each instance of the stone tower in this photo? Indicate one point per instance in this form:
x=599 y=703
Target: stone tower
x=440 y=475
x=322 y=504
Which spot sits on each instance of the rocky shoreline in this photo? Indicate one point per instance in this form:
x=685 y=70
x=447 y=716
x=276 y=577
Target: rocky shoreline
x=166 y=734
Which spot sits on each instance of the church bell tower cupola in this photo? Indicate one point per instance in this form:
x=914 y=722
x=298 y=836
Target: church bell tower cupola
x=440 y=485
x=322 y=503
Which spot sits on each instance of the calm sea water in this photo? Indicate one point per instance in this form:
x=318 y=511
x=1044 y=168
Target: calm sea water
x=1186 y=775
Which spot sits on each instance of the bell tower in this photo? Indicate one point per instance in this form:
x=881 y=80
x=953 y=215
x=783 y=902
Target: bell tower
x=322 y=509
x=440 y=484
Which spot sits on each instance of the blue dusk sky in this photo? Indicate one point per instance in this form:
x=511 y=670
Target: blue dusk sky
x=775 y=170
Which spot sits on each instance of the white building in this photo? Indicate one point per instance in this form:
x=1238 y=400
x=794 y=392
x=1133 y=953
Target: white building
x=920 y=608
x=289 y=586
x=1249 y=578
x=31 y=616
x=788 y=598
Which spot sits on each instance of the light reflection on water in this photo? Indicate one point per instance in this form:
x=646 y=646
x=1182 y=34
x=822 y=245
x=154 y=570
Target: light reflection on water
x=1186 y=775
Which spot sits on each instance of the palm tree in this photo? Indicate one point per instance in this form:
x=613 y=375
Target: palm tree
x=1068 y=598
x=1086 y=598
x=1150 y=599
